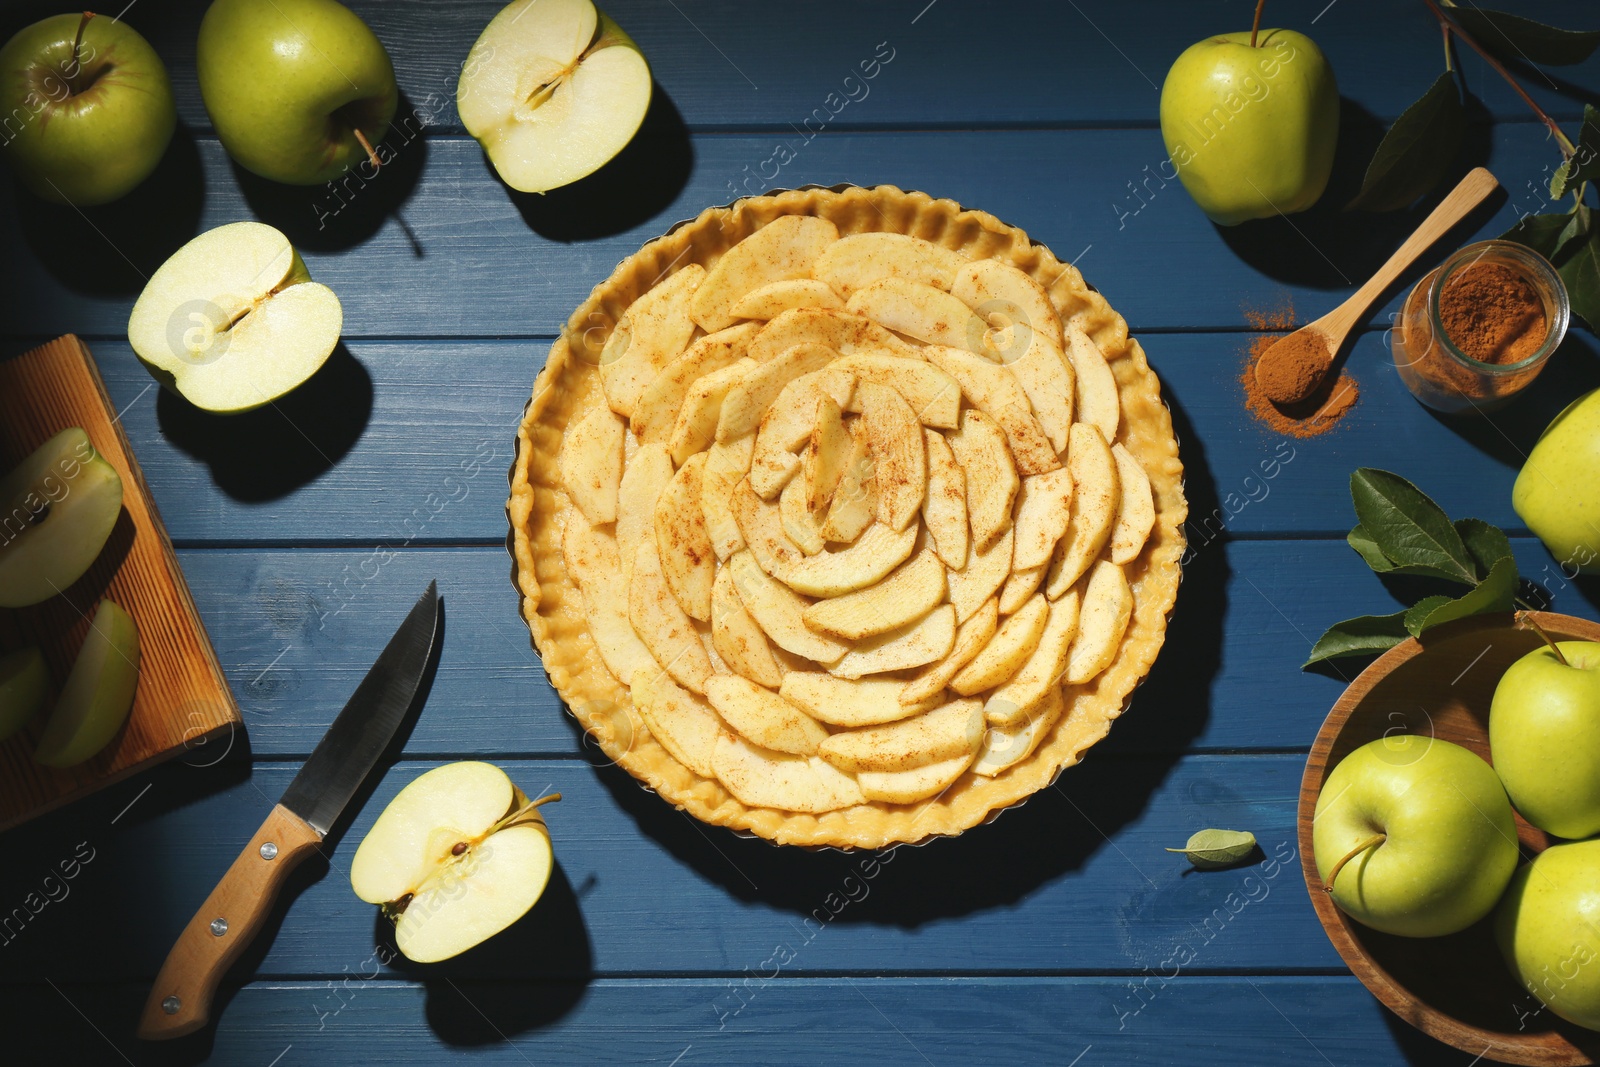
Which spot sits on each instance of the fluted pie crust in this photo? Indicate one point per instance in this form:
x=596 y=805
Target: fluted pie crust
x=568 y=387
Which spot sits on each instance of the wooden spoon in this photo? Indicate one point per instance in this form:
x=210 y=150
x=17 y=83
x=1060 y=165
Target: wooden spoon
x=1275 y=369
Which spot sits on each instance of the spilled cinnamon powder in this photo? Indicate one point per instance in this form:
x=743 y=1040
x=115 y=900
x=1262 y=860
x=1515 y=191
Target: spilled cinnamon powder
x=1314 y=415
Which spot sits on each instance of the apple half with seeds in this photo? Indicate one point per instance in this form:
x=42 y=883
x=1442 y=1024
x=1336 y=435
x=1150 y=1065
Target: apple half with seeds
x=61 y=504
x=99 y=691
x=458 y=855
x=233 y=320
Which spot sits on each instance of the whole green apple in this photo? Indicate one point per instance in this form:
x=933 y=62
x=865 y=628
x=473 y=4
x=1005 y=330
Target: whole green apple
x=288 y=84
x=1415 y=836
x=87 y=108
x=1544 y=733
x=1548 y=927
x=1251 y=131
x=1557 y=493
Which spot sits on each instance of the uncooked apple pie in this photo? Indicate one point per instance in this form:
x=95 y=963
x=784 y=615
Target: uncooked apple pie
x=846 y=517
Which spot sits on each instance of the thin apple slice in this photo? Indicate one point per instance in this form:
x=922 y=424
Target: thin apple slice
x=1007 y=651
x=982 y=577
x=980 y=450
x=835 y=572
x=993 y=287
x=947 y=732
x=1098 y=402
x=930 y=315
x=1042 y=672
x=1095 y=494
x=657 y=411
x=748 y=401
x=785 y=248
x=232 y=320
x=774 y=298
x=647 y=477
x=654 y=331
x=917 y=784
x=60 y=507
x=802 y=525
x=827 y=453
x=1044 y=507
x=850 y=701
x=662 y=625
x=894 y=439
x=594 y=564
x=761 y=525
x=1048 y=380
x=908 y=594
x=995 y=391
x=788 y=423
x=683 y=723
x=771 y=470
x=695 y=427
x=856 y=261
x=1107 y=609
x=924 y=641
x=778 y=610
x=763 y=717
x=944 y=509
x=766 y=779
x=737 y=637
x=932 y=394
x=24 y=688
x=591 y=461
x=1020 y=587
x=99 y=692
x=726 y=466
x=1136 y=508
x=687 y=558
x=838 y=330
x=1006 y=746
x=971 y=638
x=855 y=499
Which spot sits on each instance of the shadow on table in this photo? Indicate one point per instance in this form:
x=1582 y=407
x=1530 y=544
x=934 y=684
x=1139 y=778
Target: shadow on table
x=270 y=452
x=111 y=250
x=636 y=186
x=1055 y=831
x=1326 y=247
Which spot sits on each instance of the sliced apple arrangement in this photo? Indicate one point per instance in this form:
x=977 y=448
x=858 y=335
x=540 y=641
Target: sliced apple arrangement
x=457 y=856
x=853 y=519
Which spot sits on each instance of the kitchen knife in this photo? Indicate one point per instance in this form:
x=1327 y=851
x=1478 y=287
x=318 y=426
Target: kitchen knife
x=180 y=1000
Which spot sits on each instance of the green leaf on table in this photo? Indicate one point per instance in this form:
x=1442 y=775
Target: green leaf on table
x=1211 y=850
x=1542 y=233
x=1579 y=265
x=1584 y=166
x=1360 y=636
x=1486 y=543
x=1494 y=593
x=1407 y=527
x=1416 y=152
x=1368 y=549
x=1510 y=37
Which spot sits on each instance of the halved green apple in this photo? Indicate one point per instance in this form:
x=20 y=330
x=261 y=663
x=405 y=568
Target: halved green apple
x=99 y=691
x=61 y=504
x=553 y=90
x=457 y=856
x=24 y=685
x=233 y=320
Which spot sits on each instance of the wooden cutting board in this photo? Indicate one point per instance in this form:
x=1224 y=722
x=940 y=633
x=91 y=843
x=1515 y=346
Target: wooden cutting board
x=182 y=700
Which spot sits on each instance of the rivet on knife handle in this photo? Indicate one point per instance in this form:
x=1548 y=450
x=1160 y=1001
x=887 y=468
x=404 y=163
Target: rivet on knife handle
x=180 y=1000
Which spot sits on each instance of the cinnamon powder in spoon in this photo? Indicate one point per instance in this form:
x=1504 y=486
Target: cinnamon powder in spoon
x=1319 y=411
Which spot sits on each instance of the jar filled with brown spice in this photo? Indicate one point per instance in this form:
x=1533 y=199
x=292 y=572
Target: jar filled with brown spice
x=1479 y=328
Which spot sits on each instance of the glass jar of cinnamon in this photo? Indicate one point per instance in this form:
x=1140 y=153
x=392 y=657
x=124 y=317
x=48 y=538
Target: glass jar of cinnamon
x=1478 y=330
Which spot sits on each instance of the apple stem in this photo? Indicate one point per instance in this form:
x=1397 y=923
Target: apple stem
x=77 y=43
x=372 y=156
x=1375 y=839
x=1255 y=25
x=1527 y=617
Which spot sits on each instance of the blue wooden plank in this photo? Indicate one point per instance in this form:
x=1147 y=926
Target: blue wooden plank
x=643 y=889
x=785 y=1021
x=438 y=247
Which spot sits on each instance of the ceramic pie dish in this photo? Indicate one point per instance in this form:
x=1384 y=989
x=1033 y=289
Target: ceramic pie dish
x=829 y=650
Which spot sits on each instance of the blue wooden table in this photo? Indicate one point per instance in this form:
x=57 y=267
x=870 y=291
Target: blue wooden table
x=307 y=531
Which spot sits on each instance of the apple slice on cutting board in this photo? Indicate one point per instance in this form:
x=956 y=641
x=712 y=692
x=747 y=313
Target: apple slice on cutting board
x=99 y=691
x=24 y=686
x=233 y=320
x=61 y=504
x=459 y=855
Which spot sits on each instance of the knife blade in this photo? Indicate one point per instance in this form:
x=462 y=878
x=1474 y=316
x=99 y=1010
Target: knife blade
x=180 y=1000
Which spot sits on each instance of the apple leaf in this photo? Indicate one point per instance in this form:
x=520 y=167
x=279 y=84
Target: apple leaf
x=1360 y=636
x=1579 y=265
x=1542 y=233
x=1407 y=527
x=1416 y=152
x=1494 y=593
x=1513 y=37
x=1584 y=166
x=1369 y=551
x=1486 y=542
x=1211 y=850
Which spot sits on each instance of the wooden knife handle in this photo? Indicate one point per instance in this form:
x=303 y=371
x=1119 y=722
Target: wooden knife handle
x=180 y=1000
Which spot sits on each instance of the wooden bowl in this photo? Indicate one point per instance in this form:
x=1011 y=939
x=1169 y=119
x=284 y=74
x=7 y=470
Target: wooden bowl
x=1457 y=989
